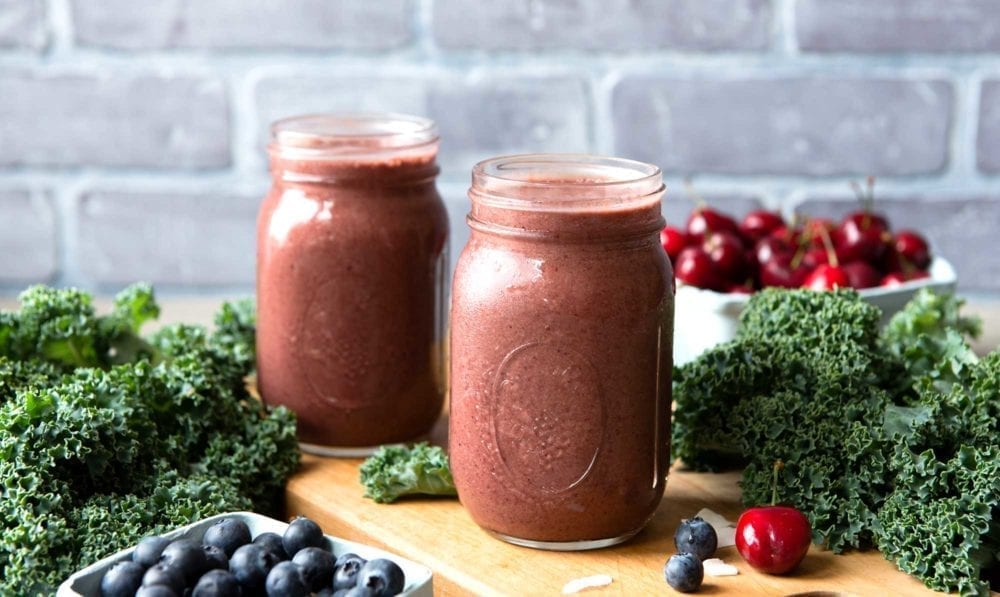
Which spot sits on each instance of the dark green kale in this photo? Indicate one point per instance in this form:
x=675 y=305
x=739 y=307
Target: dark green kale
x=395 y=471
x=888 y=438
x=95 y=456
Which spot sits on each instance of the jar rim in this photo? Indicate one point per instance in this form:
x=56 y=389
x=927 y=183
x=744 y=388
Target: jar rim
x=347 y=134
x=565 y=181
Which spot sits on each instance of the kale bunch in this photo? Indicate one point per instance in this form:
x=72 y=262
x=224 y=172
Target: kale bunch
x=888 y=438
x=106 y=437
x=395 y=471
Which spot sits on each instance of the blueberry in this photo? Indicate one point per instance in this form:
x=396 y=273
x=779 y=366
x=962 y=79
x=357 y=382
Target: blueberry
x=217 y=583
x=316 y=565
x=148 y=551
x=250 y=565
x=156 y=591
x=302 y=533
x=384 y=577
x=162 y=574
x=684 y=572
x=187 y=557
x=272 y=542
x=215 y=558
x=285 y=580
x=695 y=536
x=122 y=580
x=345 y=570
x=228 y=534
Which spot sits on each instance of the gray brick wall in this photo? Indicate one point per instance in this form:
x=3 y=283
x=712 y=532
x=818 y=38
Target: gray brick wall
x=132 y=134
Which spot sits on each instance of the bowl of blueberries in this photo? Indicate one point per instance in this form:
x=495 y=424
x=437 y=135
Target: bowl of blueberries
x=243 y=553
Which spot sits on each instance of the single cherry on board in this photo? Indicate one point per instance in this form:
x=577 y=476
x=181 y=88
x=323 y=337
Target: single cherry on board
x=773 y=539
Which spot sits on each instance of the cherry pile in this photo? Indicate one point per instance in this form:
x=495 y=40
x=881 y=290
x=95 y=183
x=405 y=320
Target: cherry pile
x=715 y=252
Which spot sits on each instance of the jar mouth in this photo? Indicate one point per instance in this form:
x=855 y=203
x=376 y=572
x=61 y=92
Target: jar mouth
x=351 y=135
x=560 y=182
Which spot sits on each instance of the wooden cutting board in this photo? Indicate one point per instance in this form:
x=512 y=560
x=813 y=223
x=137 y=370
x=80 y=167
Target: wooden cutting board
x=438 y=533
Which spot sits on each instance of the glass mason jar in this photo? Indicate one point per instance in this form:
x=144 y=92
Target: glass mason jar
x=561 y=337
x=351 y=265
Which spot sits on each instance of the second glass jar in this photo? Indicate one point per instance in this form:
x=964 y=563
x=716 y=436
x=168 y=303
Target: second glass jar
x=562 y=319
x=351 y=269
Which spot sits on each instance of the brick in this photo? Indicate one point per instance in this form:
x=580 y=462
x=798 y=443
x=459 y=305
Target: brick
x=22 y=24
x=603 y=24
x=113 y=120
x=988 y=138
x=306 y=24
x=961 y=229
x=478 y=117
x=805 y=126
x=167 y=237
x=898 y=25
x=28 y=249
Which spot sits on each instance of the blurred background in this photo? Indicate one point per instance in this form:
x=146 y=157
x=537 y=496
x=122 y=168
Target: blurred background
x=132 y=133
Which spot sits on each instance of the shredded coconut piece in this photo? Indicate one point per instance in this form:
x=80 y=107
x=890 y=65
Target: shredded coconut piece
x=724 y=529
x=716 y=567
x=588 y=582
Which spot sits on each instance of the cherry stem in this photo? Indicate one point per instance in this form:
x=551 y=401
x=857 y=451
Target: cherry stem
x=831 y=254
x=778 y=465
x=694 y=195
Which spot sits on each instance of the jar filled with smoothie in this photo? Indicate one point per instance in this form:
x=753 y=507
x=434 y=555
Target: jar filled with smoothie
x=351 y=266
x=561 y=336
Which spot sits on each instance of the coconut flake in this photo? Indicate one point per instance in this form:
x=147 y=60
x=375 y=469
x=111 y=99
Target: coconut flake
x=724 y=529
x=716 y=567
x=588 y=582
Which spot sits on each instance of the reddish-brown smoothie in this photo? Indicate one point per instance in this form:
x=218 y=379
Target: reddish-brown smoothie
x=350 y=269
x=562 y=319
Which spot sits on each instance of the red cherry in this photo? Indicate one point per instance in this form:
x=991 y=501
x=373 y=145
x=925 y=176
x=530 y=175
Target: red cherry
x=861 y=244
x=767 y=248
x=861 y=274
x=894 y=279
x=773 y=539
x=778 y=271
x=863 y=220
x=759 y=223
x=912 y=247
x=826 y=277
x=695 y=268
x=814 y=230
x=705 y=219
x=726 y=251
x=815 y=257
x=673 y=240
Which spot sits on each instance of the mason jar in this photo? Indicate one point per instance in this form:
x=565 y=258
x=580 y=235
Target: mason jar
x=561 y=336
x=351 y=272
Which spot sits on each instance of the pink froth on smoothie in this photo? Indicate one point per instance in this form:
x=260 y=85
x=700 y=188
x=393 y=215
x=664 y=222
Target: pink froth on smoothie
x=562 y=319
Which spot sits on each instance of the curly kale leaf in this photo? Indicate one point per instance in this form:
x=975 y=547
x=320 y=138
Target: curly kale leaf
x=394 y=471
x=93 y=458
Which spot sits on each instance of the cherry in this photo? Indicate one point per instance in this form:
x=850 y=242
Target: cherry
x=673 y=240
x=893 y=279
x=767 y=248
x=694 y=267
x=815 y=257
x=861 y=274
x=727 y=254
x=773 y=539
x=705 y=219
x=857 y=244
x=912 y=247
x=826 y=276
x=759 y=223
x=782 y=271
x=814 y=230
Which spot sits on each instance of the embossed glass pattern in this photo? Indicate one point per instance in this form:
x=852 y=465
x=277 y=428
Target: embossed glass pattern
x=562 y=319
x=351 y=273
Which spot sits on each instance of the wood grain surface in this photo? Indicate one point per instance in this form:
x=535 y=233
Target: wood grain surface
x=438 y=533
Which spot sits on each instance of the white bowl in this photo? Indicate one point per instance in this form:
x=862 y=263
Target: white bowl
x=705 y=318
x=87 y=582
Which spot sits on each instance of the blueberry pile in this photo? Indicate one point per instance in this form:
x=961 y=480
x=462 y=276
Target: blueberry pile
x=228 y=562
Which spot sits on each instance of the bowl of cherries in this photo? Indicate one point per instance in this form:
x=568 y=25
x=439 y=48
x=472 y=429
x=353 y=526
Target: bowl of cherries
x=719 y=261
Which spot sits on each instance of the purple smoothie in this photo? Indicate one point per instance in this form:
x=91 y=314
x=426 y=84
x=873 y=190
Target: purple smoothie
x=562 y=319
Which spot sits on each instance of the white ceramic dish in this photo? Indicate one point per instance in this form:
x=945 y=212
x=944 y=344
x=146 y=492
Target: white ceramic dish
x=704 y=318
x=87 y=582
